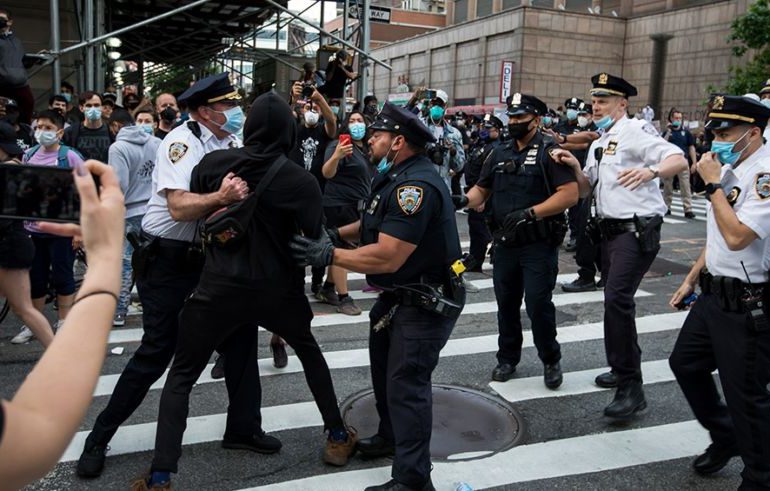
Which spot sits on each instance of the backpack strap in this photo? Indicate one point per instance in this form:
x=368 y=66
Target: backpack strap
x=62 y=159
x=269 y=176
x=30 y=152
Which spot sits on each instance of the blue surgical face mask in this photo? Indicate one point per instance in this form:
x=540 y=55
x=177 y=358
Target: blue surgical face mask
x=234 y=118
x=547 y=121
x=765 y=102
x=46 y=138
x=147 y=128
x=357 y=131
x=385 y=164
x=572 y=114
x=676 y=124
x=604 y=123
x=93 y=113
x=67 y=96
x=436 y=113
x=726 y=150
x=335 y=110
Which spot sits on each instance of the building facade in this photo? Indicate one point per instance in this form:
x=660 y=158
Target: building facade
x=673 y=53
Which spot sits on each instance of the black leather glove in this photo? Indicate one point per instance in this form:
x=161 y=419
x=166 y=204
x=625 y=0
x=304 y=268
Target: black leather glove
x=460 y=201
x=317 y=253
x=334 y=235
x=516 y=218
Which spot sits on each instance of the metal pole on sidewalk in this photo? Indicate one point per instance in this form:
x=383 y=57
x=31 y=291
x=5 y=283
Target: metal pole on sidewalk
x=345 y=14
x=363 y=81
x=88 y=33
x=55 y=46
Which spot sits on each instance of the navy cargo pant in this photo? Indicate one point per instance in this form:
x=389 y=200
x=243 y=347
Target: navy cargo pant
x=529 y=269
x=713 y=339
x=403 y=357
x=168 y=282
x=624 y=265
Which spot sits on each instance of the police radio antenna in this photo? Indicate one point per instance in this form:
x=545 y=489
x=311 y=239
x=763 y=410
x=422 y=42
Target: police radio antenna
x=748 y=280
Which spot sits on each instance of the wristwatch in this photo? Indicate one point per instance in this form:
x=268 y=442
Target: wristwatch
x=655 y=171
x=711 y=188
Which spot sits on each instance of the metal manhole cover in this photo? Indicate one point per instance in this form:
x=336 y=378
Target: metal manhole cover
x=467 y=424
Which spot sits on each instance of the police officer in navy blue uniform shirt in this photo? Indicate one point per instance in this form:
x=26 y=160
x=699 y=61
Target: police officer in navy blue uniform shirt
x=170 y=263
x=408 y=242
x=528 y=194
x=727 y=328
x=621 y=169
x=489 y=138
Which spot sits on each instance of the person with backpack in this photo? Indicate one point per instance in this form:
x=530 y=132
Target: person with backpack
x=54 y=256
x=91 y=137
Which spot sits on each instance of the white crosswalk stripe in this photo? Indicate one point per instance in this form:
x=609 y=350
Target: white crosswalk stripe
x=473 y=345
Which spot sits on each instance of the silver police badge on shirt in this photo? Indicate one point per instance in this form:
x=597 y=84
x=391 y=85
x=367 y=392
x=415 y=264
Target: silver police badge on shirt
x=762 y=185
x=373 y=205
x=409 y=199
x=176 y=151
x=732 y=196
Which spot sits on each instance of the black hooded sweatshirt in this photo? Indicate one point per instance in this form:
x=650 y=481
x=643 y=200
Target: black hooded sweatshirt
x=290 y=203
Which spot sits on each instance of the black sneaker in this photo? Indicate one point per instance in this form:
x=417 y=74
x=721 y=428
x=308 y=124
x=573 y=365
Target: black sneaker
x=315 y=288
x=690 y=215
x=328 y=295
x=260 y=443
x=91 y=461
x=579 y=285
x=218 y=370
x=571 y=245
x=280 y=358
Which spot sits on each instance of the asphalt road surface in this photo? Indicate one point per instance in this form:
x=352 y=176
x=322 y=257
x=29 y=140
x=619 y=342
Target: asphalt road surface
x=565 y=442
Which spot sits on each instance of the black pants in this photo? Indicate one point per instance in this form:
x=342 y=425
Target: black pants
x=587 y=255
x=573 y=219
x=226 y=319
x=403 y=357
x=712 y=339
x=169 y=281
x=529 y=269
x=480 y=237
x=625 y=265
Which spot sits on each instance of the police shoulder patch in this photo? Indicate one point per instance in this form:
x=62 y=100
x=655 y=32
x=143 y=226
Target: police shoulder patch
x=650 y=129
x=410 y=198
x=176 y=151
x=762 y=185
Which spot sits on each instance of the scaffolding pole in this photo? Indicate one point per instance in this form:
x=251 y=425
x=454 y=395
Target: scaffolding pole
x=363 y=74
x=99 y=56
x=328 y=34
x=55 y=46
x=88 y=33
x=345 y=15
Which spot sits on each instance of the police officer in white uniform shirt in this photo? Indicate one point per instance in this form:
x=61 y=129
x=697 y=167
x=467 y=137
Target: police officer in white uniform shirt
x=166 y=261
x=727 y=328
x=621 y=171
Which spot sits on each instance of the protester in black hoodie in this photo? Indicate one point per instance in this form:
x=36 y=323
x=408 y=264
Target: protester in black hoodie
x=254 y=282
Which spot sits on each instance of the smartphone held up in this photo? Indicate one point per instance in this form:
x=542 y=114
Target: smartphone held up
x=30 y=192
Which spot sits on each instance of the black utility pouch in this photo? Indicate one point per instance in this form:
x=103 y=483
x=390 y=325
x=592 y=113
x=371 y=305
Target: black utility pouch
x=144 y=251
x=593 y=232
x=754 y=305
x=648 y=233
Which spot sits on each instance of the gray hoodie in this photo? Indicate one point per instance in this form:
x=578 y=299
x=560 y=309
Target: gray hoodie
x=132 y=156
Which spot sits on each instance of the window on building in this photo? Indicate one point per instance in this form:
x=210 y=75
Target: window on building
x=509 y=4
x=483 y=8
x=576 y=5
x=461 y=11
x=541 y=3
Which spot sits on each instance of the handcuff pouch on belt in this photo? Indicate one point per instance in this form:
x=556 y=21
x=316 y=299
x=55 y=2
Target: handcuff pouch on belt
x=145 y=247
x=735 y=296
x=646 y=230
x=551 y=229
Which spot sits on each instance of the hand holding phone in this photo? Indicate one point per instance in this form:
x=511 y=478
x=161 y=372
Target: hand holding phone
x=345 y=139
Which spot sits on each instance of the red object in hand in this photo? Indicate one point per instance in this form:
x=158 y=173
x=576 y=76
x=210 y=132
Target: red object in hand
x=345 y=140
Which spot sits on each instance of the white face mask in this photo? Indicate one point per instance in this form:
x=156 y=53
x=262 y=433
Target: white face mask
x=311 y=118
x=46 y=138
x=583 y=121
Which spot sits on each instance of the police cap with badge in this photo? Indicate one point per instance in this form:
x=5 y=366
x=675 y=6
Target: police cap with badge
x=209 y=90
x=585 y=108
x=398 y=120
x=519 y=104
x=610 y=85
x=573 y=103
x=765 y=88
x=492 y=121
x=729 y=110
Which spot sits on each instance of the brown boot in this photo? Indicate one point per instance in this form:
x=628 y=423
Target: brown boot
x=338 y=453
x=141 y=485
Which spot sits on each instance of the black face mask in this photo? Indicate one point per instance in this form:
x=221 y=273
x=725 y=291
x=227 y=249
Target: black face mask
x=132 y=105
x=3 y=23
x=168 y=114
x=519 y=130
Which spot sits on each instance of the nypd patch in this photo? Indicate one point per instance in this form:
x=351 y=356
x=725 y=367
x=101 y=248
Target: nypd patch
x=732 y=196
x=176 y=151
x=762 y=185
x=409 y=198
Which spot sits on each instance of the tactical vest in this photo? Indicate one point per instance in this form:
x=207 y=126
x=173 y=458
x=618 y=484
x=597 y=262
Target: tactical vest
x=519 y=181
x=430 y=261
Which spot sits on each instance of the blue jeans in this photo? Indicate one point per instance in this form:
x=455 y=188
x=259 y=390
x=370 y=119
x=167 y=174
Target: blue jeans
x=133 y=223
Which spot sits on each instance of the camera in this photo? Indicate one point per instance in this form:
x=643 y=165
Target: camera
x=436 y=152
x=307 y=89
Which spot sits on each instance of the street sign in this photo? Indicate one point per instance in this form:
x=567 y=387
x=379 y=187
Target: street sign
x=506 y=80
x=376 y=14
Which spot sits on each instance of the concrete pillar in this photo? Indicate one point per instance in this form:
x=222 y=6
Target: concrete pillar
x=453 y=82
x=429 y=55
x=483 y=44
